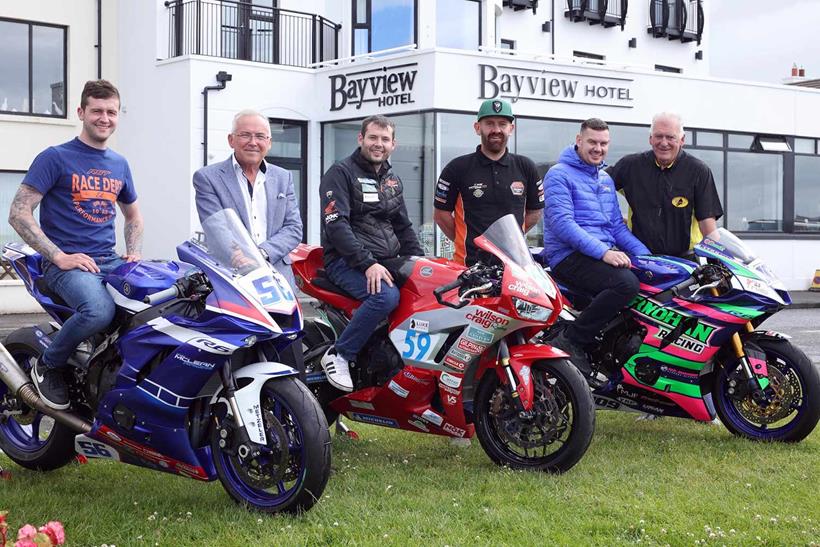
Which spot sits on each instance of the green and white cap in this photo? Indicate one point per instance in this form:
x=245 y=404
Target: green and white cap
x=496 y=107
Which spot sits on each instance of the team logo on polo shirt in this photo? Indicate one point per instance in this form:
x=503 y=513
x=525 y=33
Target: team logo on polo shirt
x=517 y=188
x=680 y=202
x=478 y=189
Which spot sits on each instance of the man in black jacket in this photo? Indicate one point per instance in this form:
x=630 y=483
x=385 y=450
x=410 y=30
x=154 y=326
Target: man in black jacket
x=364 y=221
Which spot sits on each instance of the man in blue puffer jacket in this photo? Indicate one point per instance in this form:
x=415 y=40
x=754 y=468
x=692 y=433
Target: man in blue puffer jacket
x=586 y=241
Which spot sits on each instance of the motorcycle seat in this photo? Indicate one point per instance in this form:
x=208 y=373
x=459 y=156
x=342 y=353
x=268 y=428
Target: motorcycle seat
x=324 y=283
x=45 y=290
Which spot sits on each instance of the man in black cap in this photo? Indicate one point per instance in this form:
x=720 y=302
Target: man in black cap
x=475 y=190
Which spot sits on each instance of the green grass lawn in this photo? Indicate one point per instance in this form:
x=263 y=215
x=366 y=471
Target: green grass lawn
x=662 y=482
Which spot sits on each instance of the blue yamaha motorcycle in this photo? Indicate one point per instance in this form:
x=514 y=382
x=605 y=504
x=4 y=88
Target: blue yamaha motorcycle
x=185 y=380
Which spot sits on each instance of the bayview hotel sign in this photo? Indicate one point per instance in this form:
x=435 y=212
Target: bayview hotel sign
x=518 y=83
x=384 y=86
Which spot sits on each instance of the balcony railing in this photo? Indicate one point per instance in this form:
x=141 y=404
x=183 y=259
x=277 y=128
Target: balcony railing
x=607 y=13
x=240 y=30
x=677 y=19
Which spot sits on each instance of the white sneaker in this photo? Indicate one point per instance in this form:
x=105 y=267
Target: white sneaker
x=337 y=369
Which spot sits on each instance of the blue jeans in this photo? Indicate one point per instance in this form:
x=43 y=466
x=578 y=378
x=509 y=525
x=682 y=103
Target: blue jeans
x=85 y=293
x=374 y=308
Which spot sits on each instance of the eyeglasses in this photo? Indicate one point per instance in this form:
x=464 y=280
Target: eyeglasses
x=248 y=136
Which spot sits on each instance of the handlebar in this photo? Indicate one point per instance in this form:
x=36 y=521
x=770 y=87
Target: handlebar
x=171 y=292
x=446 y=288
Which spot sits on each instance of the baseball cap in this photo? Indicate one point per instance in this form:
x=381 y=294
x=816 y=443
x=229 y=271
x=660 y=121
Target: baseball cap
x=495 y=107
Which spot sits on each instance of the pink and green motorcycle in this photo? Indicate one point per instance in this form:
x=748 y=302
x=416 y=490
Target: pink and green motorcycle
x=688 y=346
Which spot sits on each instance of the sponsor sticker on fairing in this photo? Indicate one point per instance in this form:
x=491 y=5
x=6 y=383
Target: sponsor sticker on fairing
x=450 y=390
x=419 y=325
x=361 y=404
x=474 y=333
x=415 y=422
x=451 y=399
x=398 y=390
x=472 y=347
x=432 y=417
x=453 y=430
x=449 y=380
x=454 y=363
x=375 y=420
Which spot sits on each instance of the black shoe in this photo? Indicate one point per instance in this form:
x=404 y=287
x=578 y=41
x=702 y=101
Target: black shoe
x=50 y=385
x=576 y=354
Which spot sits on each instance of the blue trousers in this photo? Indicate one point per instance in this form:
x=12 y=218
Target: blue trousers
x=93 y=306
x=374 y=308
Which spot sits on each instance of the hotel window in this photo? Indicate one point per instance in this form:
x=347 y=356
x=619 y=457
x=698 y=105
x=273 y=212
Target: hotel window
x=806 y=193
x=755 y=191
x=458 y=24
x=383 y=24
x=33 y=65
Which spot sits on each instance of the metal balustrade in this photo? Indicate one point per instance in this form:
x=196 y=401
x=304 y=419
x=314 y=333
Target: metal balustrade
x=240 y=30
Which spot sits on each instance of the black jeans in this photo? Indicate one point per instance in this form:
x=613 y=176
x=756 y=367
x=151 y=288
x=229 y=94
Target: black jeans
x=611 y=290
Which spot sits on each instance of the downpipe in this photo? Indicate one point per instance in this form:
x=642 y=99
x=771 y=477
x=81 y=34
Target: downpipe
x=21 y=386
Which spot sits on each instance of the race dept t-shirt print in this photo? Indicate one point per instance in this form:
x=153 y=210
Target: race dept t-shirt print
x=80 y=187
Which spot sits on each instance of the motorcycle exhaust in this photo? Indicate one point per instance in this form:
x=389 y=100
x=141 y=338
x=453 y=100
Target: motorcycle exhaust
x=21 y=386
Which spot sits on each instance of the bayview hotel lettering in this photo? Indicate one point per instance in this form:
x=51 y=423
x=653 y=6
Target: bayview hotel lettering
x=517 y=83
x=386 y=86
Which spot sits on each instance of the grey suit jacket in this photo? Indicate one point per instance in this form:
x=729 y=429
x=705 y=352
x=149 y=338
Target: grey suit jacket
x=217 y=188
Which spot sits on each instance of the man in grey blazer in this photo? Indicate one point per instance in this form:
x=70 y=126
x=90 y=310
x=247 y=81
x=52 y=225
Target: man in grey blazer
x=262 y=195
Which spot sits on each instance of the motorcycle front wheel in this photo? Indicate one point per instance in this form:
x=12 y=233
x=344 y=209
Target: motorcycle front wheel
x=292 y=470
x=28 y=437
x=556 y=433
x=793 y=408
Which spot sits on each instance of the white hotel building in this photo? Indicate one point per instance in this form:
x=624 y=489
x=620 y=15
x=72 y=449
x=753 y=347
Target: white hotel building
x=316 y=68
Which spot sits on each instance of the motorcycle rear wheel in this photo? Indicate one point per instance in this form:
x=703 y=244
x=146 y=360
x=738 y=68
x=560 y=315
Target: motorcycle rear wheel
x=291 y=473
x=39 y=442
x=558 y=434
x=794 y=409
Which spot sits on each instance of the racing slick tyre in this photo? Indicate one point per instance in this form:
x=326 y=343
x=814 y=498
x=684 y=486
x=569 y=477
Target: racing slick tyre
x=557 y=432
x=29 y=438
x=291 y=471
x=793 y=407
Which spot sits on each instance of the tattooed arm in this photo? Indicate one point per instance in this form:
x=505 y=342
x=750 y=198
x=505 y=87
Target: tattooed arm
x=21 y=218
x=132 y=231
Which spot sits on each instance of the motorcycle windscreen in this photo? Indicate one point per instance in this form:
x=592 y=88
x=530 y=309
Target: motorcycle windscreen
x=231 y=246
x=505 y=239
x=727 y=245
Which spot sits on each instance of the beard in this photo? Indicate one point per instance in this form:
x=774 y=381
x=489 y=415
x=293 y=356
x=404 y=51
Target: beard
x=494 y=145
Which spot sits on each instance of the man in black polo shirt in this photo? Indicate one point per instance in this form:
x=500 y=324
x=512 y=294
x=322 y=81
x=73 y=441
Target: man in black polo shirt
x=475 y=190
x=672 y=195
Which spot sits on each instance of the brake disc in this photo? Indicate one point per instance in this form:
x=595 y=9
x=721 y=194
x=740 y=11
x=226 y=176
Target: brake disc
x=785 y=390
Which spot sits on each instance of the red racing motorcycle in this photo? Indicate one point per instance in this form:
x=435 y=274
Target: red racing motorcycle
x=458 y=364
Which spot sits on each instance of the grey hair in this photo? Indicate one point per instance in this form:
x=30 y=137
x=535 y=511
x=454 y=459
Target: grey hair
x=245 y=113
x=671 y=116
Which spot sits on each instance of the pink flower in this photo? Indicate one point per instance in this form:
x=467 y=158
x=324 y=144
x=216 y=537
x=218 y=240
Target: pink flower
x=26 y=532
x=25 y=543
x=55 y=532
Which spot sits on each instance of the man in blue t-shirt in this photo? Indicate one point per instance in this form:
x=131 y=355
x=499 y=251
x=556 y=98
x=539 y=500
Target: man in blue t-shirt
x=76 y=185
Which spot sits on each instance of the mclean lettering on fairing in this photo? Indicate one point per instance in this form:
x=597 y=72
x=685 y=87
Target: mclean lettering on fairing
x=518 y=84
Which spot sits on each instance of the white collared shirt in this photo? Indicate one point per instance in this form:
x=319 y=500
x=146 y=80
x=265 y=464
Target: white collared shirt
x=257 y=206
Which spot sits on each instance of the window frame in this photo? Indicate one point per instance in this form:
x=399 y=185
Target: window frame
x=368 y=25
x=30 y=62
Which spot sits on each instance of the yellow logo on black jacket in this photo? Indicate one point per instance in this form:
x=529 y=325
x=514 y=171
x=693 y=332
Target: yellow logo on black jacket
x=680 y=202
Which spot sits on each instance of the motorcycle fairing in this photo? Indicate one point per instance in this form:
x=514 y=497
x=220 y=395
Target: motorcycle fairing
x=407 y=407
x=248 y=396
